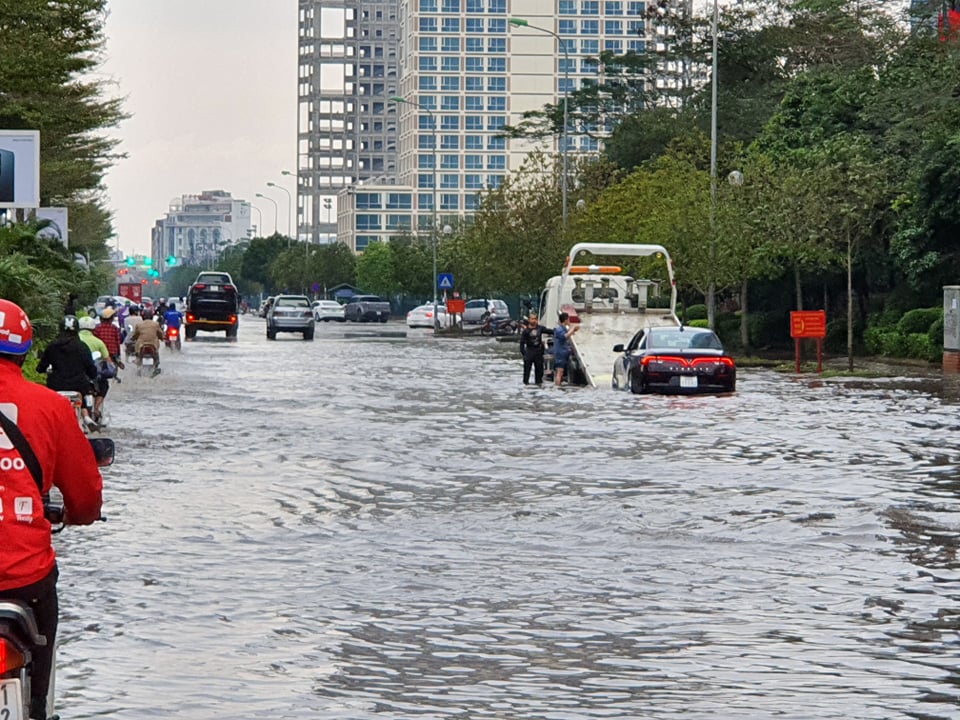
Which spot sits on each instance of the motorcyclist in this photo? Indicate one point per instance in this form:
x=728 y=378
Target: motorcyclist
x=28 y=569
x=132 y=320
x=109 y=332
x=101 y=357
x=69 y=362
x=172 y=318
x=147 y=334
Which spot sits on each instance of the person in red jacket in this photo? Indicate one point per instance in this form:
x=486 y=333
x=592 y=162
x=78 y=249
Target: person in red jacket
x=28 y=569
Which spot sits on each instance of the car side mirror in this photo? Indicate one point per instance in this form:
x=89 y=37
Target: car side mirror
x=618 y=347
x=103 y=451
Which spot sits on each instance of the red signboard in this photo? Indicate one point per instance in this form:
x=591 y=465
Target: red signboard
x=808 y=324
x=456 y=306
x=132 y=291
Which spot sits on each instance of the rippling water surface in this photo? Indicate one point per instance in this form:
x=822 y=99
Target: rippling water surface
x=396 y=528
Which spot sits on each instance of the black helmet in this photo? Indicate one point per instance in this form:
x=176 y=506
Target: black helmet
x=70 y=323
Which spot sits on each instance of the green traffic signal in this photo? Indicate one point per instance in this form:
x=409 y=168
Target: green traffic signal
x=172 y=260
x=148 y=261
x=131 y=261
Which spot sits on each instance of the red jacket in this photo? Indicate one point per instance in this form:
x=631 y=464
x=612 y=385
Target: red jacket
x=49 y=423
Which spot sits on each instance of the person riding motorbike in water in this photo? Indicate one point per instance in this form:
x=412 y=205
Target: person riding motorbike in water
x=28 y=568
x=172 y=318
x=147 y=334
x=69 y=363
x=105 y=368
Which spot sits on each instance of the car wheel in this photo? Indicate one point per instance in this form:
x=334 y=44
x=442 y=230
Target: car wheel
x=232 y=333
x=191 y=333
x=308 y=334
x=383 y=319
x=271 y=334
x=637 y=386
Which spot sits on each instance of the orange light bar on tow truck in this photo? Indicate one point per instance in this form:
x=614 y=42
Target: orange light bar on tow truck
x=583 y=269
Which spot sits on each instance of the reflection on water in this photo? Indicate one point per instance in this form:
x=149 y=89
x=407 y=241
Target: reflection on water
x=396 y=527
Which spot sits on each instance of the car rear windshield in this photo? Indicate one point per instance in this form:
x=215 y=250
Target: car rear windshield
x=684 y=339
x=293 y=302
x=214 y=278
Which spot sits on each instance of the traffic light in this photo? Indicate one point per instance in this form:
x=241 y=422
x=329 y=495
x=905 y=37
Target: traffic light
x=172 y=260
x=148 y=261
x=152 y=272
x=131 y=261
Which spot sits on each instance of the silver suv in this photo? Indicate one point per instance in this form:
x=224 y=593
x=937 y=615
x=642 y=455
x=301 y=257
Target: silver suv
x=475 y=310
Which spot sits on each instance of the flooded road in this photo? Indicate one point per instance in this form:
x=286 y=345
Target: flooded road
x=397 y=528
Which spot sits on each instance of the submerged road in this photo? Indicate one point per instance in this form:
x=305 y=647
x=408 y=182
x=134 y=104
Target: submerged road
x=396 y=528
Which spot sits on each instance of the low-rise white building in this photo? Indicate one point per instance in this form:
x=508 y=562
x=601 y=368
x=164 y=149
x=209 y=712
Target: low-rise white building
x=196 y=228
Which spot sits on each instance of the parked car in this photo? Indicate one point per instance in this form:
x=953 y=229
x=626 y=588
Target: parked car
x=422 y=316
x=675 y=360
x=475 y=310
x=328 y=310
x=366 y=308
x=290 y=313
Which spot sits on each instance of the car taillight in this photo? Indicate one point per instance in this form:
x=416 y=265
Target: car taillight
x=229 y=287
x=713 y=361
x=664 y=359
x=10 y=657
x=199 y=286
x=233 y=318
x=191 y=318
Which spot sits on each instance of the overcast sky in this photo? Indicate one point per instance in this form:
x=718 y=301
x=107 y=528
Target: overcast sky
x=211 y=89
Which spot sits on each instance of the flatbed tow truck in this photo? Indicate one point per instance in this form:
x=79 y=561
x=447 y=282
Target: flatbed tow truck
x=609 y=306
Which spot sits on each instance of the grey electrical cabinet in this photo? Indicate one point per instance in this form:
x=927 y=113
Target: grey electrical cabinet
x=951 y=317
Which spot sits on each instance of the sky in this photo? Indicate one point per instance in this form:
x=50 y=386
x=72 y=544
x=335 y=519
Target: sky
x=211 y=88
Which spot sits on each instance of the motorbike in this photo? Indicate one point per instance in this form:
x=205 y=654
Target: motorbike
x=491 y=325
x=80 y=403
x=148 y=356
x=19 y=635
x=172 y=338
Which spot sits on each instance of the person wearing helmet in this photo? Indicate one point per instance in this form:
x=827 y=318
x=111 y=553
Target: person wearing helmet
x=28 y=569
x=147 y=334
x=101 y=357
x=109 y=332
x=69 y=362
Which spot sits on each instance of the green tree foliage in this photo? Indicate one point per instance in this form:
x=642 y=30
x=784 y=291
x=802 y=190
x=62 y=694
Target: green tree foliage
x=258 y=258
x=376 y=270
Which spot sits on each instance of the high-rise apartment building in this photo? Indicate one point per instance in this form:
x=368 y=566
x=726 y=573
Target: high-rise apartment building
x=410 y=124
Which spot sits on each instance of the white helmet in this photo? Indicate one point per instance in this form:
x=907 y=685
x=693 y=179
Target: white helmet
x=87 y=323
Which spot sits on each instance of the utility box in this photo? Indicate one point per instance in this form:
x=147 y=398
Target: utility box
x=951 y=318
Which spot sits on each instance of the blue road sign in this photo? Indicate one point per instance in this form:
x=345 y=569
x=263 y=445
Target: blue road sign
x=445 y=281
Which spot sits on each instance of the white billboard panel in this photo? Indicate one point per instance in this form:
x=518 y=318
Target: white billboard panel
x=56 y=227
x=19 y=168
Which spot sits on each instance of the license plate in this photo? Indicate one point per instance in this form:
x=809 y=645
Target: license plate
x=214 y=288
x=688 y=381
x=10 y=700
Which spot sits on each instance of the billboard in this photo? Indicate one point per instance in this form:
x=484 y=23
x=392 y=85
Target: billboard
x=55 y=223
x=19 y=168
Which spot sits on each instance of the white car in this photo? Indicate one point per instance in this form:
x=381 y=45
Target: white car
x=422 y=316
x=328 y=310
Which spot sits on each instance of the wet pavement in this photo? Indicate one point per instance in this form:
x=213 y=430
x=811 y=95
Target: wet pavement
x=363 y=527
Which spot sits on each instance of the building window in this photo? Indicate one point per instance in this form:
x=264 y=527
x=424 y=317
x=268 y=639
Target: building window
x=425 y=141
x=474 y=25
x=473 y=162
x=473 y=122
x=497 y=84
x=425 y=122
x=471 y=202
x=473 y=103
x=425 y=202
x=427 y=101
x=497 y=26
x=473 y=182
x=497 y=103
x=566 y=85
x=590 y=7
x=449 y=202
x=473 y=142
x=427 y=83
x=497 y=7
x=450 y=84
x=474 y=64
x=426 y=161
x=451 y=6
x=428 y=63
x=567 y=65
x=637 y=46
x=634 y=27
x=451 y=25
x=365 y=241
x=474 y=45
x=368 y=201
x=589 y=66
x=568 y=7
x=614 y=46
x=449 y=142
x=398 y=222
x=428 y=44
x=451 y=64
x=451 y=44
x=589 y=47
x=496 y=143
x=474 y=6
x=589 y=27
x=568 y=27
x=449 y=182
x=450 y=162
x=496 y=122
x=494 y=181
x=613 y=27
x=425 y=181
x=428 y=6
x=613 y=7
x=428 y=25
x=497 y=162
x=368 y=222
x=399 y=201
x=497 y=45
x=635 y=8
x=497 y=65
x=449 y=123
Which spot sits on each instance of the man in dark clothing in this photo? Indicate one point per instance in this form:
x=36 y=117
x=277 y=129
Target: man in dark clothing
x=69 y=361
x=531 y=347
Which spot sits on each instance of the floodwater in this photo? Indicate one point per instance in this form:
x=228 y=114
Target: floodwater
x=364 y=527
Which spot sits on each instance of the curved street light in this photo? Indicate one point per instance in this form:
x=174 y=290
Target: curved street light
x=260 y=215
x=433 y=219
x=296 y=190
x=289 y=205
x=520 y=22
x=276 y=209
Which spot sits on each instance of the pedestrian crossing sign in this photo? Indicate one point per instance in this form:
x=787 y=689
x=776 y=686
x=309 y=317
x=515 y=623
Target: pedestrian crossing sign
x=445 y=281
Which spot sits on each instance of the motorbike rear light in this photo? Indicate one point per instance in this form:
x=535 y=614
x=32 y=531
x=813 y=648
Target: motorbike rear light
x=10 y=657
x=173 y=332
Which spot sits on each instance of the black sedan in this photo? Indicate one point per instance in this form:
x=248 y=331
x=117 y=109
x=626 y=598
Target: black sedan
x=674 y=360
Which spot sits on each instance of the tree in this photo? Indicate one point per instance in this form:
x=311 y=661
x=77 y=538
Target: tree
x=375 y=270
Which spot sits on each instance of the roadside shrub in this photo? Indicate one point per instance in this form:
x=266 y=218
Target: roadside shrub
x=882 y=341
x=919 y=320
x=920 y=346
x=697 y=312
x=936 y=331
x=727 y=327
x=704 y=323
x=767 y=329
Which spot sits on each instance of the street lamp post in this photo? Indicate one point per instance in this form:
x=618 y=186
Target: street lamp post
x=289 y=206
x=712 y=288
x=433 y=219
x=276 y=210
x=296 y=188
x=564 y=138
x=260 y=216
